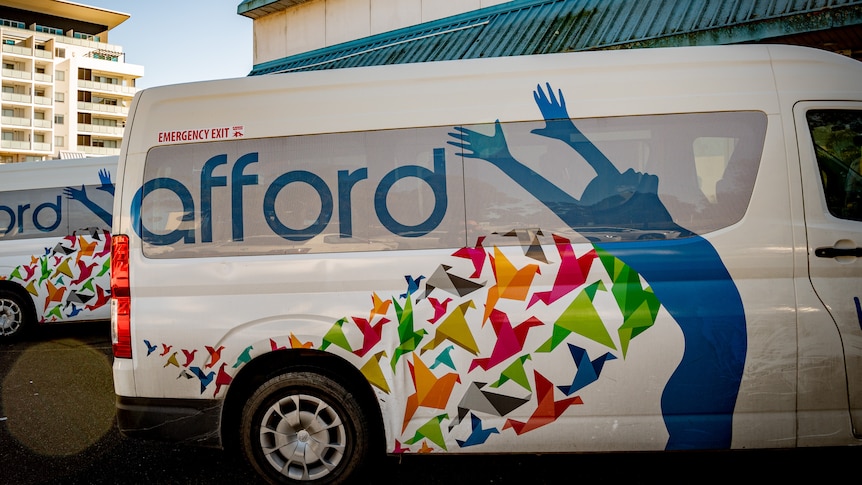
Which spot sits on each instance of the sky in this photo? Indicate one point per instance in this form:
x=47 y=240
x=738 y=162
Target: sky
x=181 y=41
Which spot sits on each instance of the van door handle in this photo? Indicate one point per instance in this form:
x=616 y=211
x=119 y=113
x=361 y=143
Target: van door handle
x=830 y=252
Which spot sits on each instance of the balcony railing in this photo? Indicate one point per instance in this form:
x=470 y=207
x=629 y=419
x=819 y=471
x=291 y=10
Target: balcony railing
x=103 y=108
x=42 y=124
x=43 y=78
x=18 y=49
x=43 y=100
x=98 y=150
x=14 y=121
x=106 y=87
x=15 y=145
x=16 y=98
x=100 y=129
x=16 y=74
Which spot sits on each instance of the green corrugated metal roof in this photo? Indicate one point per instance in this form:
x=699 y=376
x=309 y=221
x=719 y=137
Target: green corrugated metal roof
x=525 y=27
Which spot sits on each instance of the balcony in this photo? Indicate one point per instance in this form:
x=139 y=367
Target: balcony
x=16 y=74
x=18 y=50
x=43 y=78
x=100 y=129
x=106 y=88
x=42 y=100
x=103 y=108
x=14 y=121
x=98 y=151
x=16 y=98
x=15 y=145
x=45 y=124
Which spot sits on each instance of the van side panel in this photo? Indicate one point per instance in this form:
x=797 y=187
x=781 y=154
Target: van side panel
x=531 y=255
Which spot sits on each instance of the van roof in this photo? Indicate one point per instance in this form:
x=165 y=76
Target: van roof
x=600 y=83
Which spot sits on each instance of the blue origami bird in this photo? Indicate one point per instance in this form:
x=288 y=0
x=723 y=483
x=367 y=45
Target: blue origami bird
x=588 y=371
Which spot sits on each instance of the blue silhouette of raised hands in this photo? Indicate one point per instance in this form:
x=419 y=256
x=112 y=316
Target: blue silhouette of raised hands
x=105 y=179
x=557 y=122
x=76 y=194
x=473 y=144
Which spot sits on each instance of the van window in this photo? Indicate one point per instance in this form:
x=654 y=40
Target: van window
x=52 y=212
x=410 y=189
x=837 y=137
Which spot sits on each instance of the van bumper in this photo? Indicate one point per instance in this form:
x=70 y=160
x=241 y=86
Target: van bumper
x=188 y=421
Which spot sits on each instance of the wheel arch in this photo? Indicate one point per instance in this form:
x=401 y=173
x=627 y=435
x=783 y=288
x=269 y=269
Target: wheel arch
x=26 y=299
x=271 y=364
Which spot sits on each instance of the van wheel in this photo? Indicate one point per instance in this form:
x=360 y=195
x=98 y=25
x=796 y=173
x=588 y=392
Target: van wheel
x=15 y=317
x=304 y=427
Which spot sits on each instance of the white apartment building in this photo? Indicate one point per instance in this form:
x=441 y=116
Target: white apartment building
x=66 y=90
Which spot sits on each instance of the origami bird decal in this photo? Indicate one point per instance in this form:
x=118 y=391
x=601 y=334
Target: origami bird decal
x=478 y=435
x=512 y=283
x=412 y=285
x=430 y=431
x=205 y=378
x=439 y=308
x=190 y=356
x=150 y=347
x=455 y=329
x=476 y=255
x=408 y=337
x=222 y=379
x=547 y=411
x=582 y=318
x=371 y=334
x=588 y=371
x=572 y=272
x=509 y=340
x=243 y=358
x=431 y=391
x=335 y=336
x=215 y=355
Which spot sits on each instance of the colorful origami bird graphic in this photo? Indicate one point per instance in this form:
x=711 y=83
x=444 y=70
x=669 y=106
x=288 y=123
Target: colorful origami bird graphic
x=205 y=378
x=478 y=435
x=582 y=318
x=431 y=431
x=547 y=411
x=335 y=336
x=476 y=255
x=431 y=391
x=509 y=340
x=215 y=355
x=371 y=334
x=588 y=371
x=455 y=329
x=512 y=283
x=572 y=272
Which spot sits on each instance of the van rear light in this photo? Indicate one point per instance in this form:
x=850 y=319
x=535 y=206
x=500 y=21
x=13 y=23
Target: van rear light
x=121 y=328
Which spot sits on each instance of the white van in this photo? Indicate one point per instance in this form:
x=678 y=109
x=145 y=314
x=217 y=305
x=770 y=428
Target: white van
x=649 y=249
x=55 y=242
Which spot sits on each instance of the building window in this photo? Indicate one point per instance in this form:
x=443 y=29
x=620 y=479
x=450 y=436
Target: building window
x=60 y=75
x=13 y=23
x=39 y=138
x=59 y=97
x=60 y=52
x=8 y=136
x=59 y=119
x=8 y=112
x=59 y=141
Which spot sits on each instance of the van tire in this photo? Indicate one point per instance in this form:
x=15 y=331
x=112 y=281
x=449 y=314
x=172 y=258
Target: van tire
x=328 y=445
x=16 y=315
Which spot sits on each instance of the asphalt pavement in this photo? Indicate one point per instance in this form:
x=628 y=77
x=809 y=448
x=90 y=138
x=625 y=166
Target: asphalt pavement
x=57 y=427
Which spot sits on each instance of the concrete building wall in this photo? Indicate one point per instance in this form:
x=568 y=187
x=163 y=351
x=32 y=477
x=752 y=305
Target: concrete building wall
x=321 y=23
